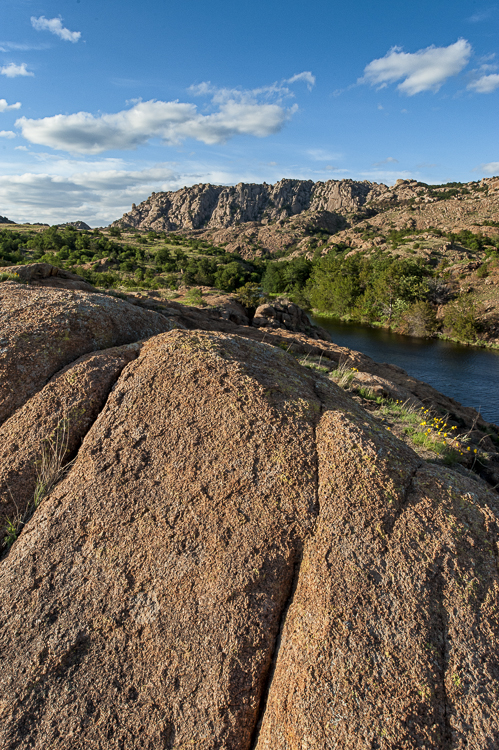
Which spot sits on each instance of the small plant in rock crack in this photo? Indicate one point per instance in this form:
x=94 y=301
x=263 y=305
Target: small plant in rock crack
x=50 y=469
x=51 y=466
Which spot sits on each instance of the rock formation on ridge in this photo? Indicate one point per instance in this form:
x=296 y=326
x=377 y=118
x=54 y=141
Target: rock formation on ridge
x=215 y=207
x=239 y=556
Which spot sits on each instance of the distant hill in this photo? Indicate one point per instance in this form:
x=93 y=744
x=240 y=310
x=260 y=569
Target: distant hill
x=300 y=214
x=5 y=220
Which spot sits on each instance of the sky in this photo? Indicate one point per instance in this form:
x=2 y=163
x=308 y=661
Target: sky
x=102 y=103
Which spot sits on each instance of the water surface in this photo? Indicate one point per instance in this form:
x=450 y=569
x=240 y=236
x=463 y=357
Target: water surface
x=467 y=374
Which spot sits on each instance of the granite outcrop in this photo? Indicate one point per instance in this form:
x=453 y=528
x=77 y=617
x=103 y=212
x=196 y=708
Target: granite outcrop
x=237 y=556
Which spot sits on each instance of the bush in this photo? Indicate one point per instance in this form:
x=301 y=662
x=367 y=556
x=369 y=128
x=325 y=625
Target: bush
x=483 y=271
x=195 y=296
x=419 y=320
x=460 y=320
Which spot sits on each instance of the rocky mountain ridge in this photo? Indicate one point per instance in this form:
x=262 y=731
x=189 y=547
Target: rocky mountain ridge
x=208 y=206
x=292 y=214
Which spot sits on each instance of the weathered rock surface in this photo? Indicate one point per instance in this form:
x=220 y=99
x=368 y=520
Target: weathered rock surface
x=285 y=314
x=42 y=330
x=58 y=415
x=44 y=274
x=241 y=557
x=76 y=225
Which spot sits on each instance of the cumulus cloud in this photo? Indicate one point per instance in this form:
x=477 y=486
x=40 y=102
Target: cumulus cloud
x=4 y=107
x=485 y=84
x=425 y=70
x=13 y=71
x=173 y=122
x=7 y=134
x=54 y=25
x=98 y=195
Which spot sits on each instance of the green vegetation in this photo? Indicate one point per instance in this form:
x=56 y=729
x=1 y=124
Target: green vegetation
x=149 y=261
x=375 y=287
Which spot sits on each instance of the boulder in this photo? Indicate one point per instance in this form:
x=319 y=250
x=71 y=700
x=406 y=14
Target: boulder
x=42 y=330
x=44 y=274
x=241 y=557
x=284 y=314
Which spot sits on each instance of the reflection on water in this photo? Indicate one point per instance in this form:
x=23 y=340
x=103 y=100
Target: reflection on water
x=467 y=374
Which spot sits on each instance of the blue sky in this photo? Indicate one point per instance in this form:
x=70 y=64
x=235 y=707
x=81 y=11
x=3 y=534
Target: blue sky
x=102 y=103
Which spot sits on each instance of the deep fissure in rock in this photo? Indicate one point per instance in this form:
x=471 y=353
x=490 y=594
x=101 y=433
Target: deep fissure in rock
x=292 y=589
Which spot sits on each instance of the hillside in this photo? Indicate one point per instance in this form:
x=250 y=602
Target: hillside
x=421 y=260
x=252 y=219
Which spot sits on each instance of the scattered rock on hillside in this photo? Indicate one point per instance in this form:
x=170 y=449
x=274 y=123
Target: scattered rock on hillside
x=42 y=330
x=75 y=225
x=241 y=557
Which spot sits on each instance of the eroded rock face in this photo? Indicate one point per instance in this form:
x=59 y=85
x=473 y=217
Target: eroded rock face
x=56 y=418
x=241 y=557
x=396 y=598
x=214 y=207
x=285 y=314
x=42 y=330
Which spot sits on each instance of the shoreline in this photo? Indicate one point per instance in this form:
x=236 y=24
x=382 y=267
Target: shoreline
x=441 y=336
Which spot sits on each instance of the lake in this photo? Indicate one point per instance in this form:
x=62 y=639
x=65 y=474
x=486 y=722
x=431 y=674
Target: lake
x=467 y=374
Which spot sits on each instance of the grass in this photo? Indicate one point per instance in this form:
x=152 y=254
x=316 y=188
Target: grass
x=343 y=375
x=50 y=470
x=370 y=395
x=11 y=277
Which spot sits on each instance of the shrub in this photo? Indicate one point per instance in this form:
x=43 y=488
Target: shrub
x=195 y=296
x=483 y=271
x=460 y=320
x=419 y=320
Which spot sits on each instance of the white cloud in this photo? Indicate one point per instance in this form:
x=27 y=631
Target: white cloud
x=54 y=25
x=173 y=122
x=425 y=70
x=306 y=77
x=321 y=154
x=482 y=15
x=485 y=84
x=7 y=134
x=389 y=178
x=12 y=70
x=276 y=91
x=97 y=195
x=4 y=107
x=491 y=168
x=6 y=46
